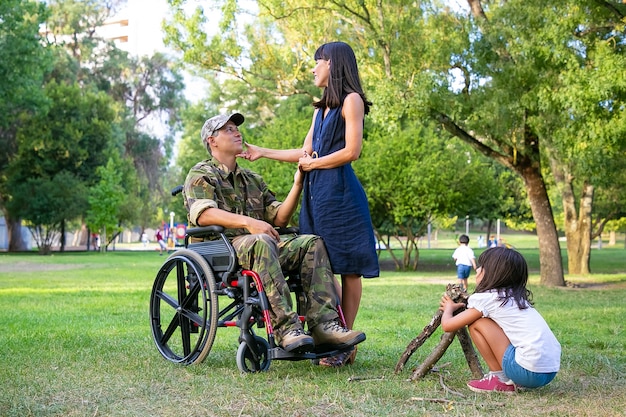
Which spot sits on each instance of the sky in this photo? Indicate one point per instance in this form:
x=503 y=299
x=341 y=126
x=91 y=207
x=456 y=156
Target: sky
x=146 y=36
x=144 y=25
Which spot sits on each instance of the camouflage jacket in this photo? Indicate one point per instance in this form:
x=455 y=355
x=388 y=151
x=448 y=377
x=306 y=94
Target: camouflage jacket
x=210 y=184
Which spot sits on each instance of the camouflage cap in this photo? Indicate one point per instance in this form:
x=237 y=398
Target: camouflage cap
x=217 y=122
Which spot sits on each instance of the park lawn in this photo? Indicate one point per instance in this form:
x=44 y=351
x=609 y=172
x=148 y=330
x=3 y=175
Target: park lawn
x=76 y=341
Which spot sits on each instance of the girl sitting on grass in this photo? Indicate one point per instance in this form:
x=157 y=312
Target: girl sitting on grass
x=511 y=336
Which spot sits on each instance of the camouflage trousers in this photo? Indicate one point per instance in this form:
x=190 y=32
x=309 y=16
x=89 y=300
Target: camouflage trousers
x=305 y=254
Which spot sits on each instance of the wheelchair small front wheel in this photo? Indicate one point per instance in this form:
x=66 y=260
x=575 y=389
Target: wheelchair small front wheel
x=248 y=362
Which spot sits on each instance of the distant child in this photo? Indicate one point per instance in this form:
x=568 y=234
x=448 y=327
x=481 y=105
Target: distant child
x=511 y=336
x=161 y=241
x=465 y=260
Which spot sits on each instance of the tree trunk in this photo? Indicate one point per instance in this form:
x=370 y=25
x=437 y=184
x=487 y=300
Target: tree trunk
x=578 y=234
x=62 y=240
x=550 y=259
x=14 y=229
x=577 y=222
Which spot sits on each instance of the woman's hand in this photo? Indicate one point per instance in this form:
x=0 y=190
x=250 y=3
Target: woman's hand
x=305 y=161
x=252 y=152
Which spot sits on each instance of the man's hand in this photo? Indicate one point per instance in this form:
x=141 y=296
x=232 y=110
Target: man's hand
x=259 y=226
x=298 y=177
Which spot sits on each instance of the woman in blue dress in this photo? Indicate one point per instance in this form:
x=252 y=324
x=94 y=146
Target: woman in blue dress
x=334 y=204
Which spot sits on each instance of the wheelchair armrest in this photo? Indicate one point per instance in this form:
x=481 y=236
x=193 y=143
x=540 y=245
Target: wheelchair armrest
x=204 y=231
x=288 y=230
x=216 y=230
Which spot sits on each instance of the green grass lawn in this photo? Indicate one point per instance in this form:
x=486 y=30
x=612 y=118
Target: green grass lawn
x=76 y=341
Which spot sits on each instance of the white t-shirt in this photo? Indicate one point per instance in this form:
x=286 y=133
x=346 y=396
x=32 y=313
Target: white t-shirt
x=536 y=347
x=463 y=255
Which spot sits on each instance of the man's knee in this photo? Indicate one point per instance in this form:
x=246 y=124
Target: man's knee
x=313 y=244
x=265 y=239
x=254 y=249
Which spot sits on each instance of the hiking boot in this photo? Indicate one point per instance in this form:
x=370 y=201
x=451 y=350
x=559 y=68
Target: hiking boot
x=297 y=341
x=334 y=335
x=491 y=383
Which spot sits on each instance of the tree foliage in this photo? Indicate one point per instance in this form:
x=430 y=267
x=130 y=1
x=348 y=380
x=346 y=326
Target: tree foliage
x=23 y=64
x=46 y=202
x=98 y=102
x=105 y=200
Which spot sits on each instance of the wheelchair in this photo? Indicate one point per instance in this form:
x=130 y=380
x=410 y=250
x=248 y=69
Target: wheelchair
x=185 y=312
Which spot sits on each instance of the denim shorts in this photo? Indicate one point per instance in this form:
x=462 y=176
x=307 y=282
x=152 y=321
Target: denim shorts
x=463 y=271
x=521 y=376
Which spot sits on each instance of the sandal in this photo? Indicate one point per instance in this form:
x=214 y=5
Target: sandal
x=339 y=360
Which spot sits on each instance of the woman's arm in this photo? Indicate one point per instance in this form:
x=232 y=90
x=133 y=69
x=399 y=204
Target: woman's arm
x=353 y=112
x=450 y=323
x=253 y=152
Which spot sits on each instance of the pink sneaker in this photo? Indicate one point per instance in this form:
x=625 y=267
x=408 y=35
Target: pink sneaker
x=491 y=383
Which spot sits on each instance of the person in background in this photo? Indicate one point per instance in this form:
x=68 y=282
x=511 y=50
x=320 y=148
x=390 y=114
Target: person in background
x=512 y=337
x=95 y=239
x=161 y=241
x=334 y=204
x=219 y=192
x=464 y=259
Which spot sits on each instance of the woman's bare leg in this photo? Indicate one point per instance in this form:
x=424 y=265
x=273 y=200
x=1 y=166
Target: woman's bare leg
x=351 y=289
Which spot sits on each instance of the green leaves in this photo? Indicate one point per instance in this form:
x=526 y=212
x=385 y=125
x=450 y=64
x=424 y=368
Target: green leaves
x=105 y=199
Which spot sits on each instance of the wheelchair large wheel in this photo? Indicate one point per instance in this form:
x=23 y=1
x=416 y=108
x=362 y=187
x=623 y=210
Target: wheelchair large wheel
x=184 y=308
x=246 y=361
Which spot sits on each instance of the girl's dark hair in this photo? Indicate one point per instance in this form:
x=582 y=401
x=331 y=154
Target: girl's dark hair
x=344 y=75
x=506 y=271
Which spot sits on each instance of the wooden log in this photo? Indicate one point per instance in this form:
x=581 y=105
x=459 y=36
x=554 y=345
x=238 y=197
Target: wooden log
x=418 y=341
x=458 y=295
x=435 y=355
x=470 y=354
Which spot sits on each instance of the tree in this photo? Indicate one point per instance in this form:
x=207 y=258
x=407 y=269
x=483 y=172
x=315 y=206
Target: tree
x=68 y=142
x=584 y=120
x=45 y=203
x=148 y=91
x=23 y=63
x=105 y=200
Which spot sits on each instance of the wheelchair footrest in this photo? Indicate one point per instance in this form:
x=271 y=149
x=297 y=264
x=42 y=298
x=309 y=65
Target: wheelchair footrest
x=279 y=353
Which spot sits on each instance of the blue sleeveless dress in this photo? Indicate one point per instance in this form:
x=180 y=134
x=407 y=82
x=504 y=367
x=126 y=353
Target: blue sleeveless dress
x=334 y=204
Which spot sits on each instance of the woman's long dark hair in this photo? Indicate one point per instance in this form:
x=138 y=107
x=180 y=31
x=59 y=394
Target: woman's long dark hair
x=506 y=271
x=344 y=75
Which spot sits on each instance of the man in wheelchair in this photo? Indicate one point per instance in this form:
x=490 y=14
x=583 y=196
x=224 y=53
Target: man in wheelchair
x=219 y=192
